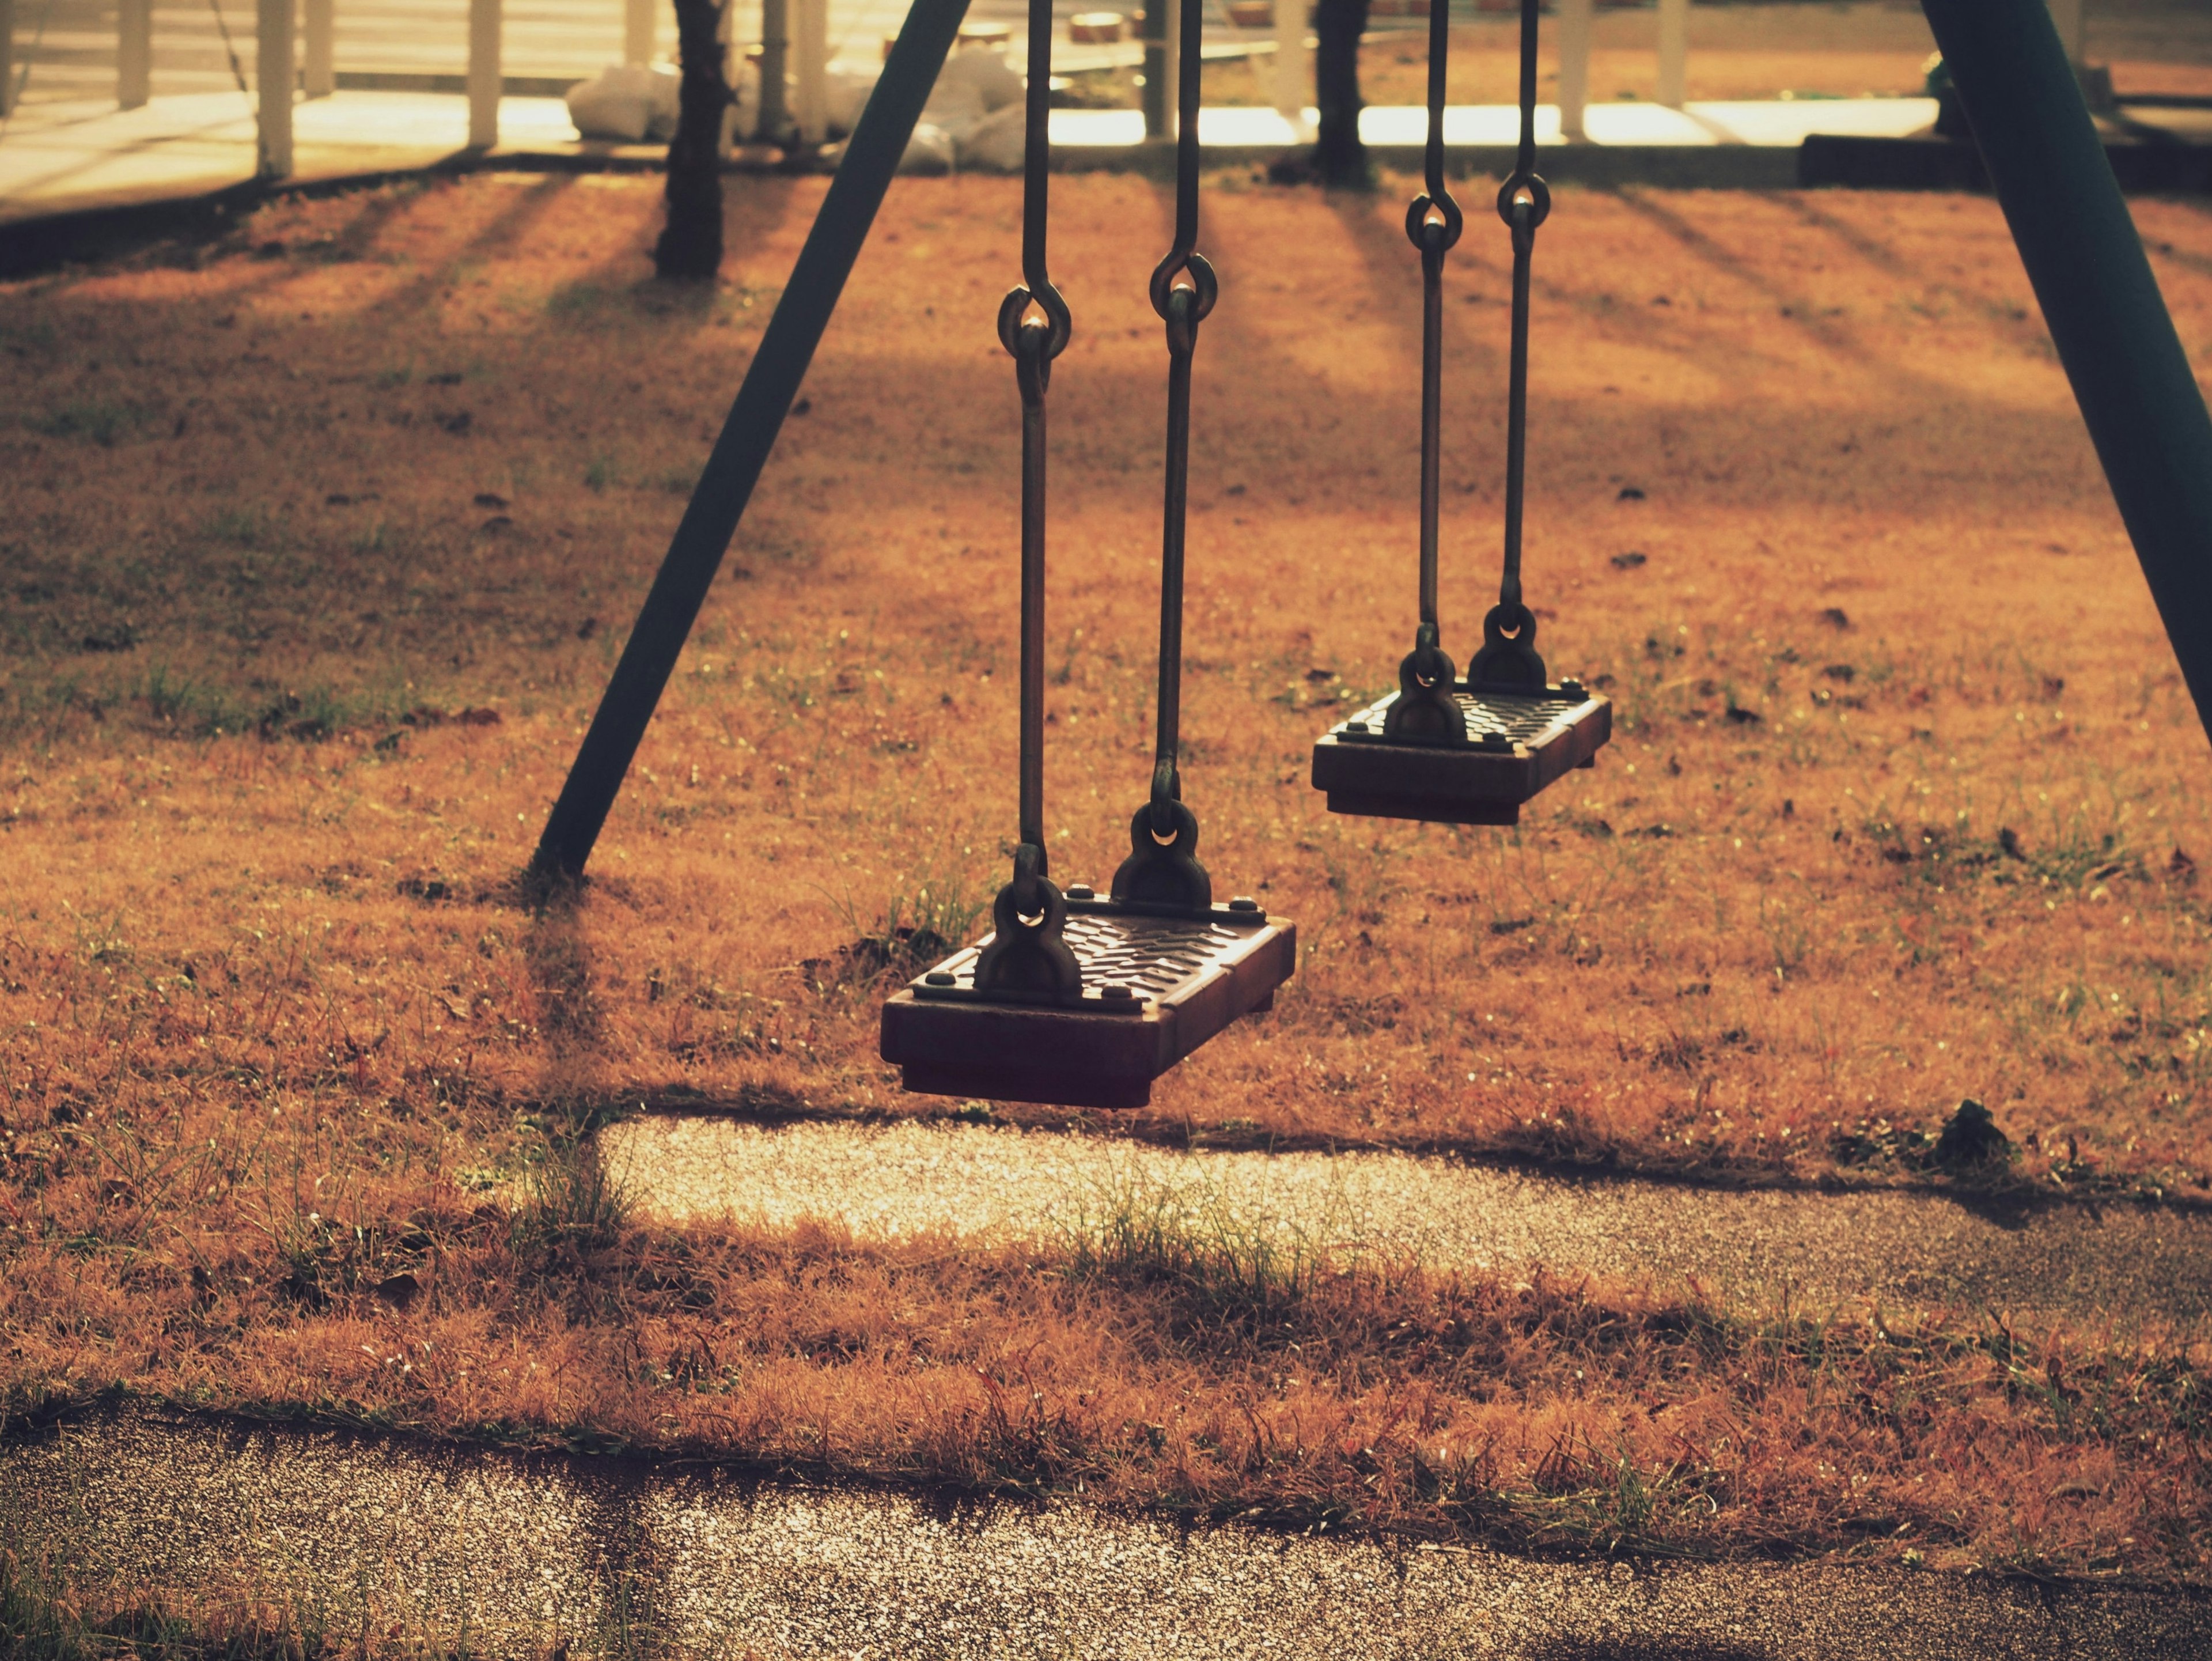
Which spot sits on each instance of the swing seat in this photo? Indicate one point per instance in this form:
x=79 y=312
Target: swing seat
x=1155 y=988
x=1518 y=743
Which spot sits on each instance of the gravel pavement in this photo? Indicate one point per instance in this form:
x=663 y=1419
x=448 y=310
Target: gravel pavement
x=507 y=1555
x=2120 y=1264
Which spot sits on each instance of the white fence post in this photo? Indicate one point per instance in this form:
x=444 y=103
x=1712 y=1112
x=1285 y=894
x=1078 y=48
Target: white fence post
x=637 y=32
x=134 y=53
x=485 y=82
x=1575 y=24
x=774 y=63
x=1171 y=65
x=319 y=68
x=811 y=48
x=1293 y=81
x=273 y=69
x=1674 y=53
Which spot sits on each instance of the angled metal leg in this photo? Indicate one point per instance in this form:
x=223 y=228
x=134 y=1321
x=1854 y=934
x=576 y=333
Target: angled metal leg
x=679 y=589
x=2139 y=399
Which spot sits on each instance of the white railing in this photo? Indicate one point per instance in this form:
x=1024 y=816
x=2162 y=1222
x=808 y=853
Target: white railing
x=1576 y=21
x=289 y=56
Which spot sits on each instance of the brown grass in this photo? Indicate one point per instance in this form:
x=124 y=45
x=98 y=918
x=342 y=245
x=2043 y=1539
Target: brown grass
x=1904 y=807
x=1156 y=1365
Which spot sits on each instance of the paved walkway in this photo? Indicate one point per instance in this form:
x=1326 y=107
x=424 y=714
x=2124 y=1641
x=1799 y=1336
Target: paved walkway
x=2123 y=1264
x=64 y=157
x=510 y=1557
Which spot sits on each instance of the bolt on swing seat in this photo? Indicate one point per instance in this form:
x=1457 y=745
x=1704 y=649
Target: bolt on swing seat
x=1441 y=749
x=1075 y=999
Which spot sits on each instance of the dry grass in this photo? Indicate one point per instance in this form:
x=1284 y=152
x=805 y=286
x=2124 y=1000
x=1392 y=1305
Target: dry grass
x=1161 y=1365
x=1905 y=807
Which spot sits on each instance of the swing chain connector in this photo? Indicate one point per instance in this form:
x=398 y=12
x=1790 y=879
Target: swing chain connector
x=1434 y=236
x=1522 y=217
x=1034 y=339
x=1184 y=306
x=1508 y=661
x=1028 y=953
x=1424 y=709
x=1162 y=871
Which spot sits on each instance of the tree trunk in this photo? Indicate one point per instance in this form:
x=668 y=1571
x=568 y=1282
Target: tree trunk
x=690 y=243
x=1339 y=155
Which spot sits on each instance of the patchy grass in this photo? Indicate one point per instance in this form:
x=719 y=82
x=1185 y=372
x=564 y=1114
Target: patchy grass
x=1157 y=1364
x=38 y=1622
x=1905 y=807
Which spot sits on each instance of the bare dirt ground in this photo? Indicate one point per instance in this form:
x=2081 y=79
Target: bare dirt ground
x=319 y=542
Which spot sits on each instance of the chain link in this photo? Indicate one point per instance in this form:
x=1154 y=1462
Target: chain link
x=1508 y=659
x=1183 y=290
x=1433 y=224
x=1035 y=326
x=1161 y=871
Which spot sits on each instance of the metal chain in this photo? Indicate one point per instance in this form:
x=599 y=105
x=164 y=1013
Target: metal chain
x=1183 y=290
x=1524 y=202
x=1508 y=660
x=1034 y=327
x=1433 y=223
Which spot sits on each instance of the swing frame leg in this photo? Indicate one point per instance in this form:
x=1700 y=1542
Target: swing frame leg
x=2115 y=340
x=733 y=468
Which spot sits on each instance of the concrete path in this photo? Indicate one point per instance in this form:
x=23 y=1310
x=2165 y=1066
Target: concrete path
x=507 y=1556
x=73 y=156
x=2122 y=1265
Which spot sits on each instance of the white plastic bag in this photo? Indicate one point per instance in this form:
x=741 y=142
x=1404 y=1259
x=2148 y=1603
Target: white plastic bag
x=627 y=103
x=849 y=94
x=954 y=109
x=995 y=143
x=991 y=78
x=929 y=151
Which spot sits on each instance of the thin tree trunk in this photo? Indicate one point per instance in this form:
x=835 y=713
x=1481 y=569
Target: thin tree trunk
x=690 y=244
x=1339 y=156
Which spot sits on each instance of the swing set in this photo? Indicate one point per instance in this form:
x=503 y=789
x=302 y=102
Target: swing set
x=1083 y=1000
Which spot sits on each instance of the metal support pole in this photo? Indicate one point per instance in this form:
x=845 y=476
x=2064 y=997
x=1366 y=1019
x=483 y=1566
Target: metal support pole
x=2138 y=397
x=771 y=381
x=1673 y=89
x=485 y=81
x=134 y=53
x=272 y=78
x=1575 y=26
x=637 y=33
x=319 y=68
x=8 y=70
x=1294 y=74
x=775 y=59
x=811 y=43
